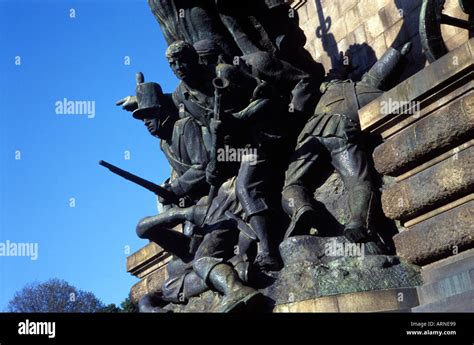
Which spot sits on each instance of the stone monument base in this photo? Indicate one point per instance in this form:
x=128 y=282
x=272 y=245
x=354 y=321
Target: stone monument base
x=329 y=274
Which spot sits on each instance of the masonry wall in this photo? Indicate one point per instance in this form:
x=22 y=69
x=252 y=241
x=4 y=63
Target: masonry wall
x=366 y=28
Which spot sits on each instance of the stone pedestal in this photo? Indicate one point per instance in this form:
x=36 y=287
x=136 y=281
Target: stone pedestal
x=388 y=300
x=148 y=264
x=329 y=274
x=448 y=284
x=427 y=159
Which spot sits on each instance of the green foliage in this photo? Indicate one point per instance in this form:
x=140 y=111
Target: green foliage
x=125 y=307
x=111 y=308
x=128 y=307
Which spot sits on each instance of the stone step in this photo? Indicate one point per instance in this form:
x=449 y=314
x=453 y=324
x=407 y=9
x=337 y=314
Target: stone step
x=463 y=302
x=150 y=283
x=447 y=287
x=387 y=300
x=396 y=311
x=453 y=265
x=417 y=88
x=437 y=237
x=431 y=134
x=147 y=259
x=433 y=187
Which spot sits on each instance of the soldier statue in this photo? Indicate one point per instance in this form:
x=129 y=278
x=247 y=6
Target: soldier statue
x=331 y=139
x=220 y=261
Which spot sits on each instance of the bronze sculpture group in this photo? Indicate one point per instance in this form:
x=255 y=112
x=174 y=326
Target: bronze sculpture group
x=248 y=85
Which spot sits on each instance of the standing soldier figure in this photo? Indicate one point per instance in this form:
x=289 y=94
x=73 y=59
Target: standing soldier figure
x=180 y=139
x=330 y=139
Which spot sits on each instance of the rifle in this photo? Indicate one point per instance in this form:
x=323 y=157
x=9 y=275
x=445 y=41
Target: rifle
x=163 y=193
x=220 y=84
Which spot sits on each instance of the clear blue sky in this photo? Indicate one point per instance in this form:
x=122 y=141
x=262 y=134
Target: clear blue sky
x=79 y=58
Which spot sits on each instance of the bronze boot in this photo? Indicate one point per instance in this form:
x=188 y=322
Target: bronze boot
x=237 y=296
x=297 y=203
x=360 y=202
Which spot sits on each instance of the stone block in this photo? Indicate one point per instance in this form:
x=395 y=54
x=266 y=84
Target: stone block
x=396 y=36
x=381 y=3
x=330 y=8
x=353 y=18
x=439 y=237
x=405 y=116
x=338 y=29
x=446 y=287
x=461 y=303
x=453 y=9
x=368 y=8
x=346 y=5
x=151 y=283
x=452 y=265
x=420 y=86
x=316 y=305
x=303 y=14
x=309 y=29
x=390 y=14
x=427 y=137
x=439 y=184
x=374 y=27
x=378 y=301
x=457 y=39
x=367 y=301
x=358 y=36
x=147 y=259
x=379 y=46
x=449 y=31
